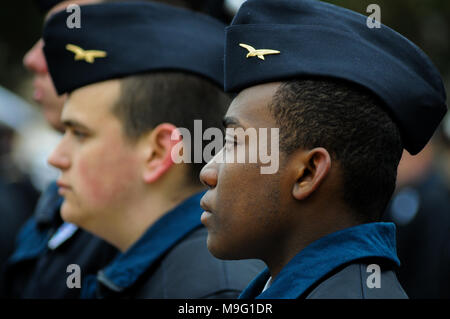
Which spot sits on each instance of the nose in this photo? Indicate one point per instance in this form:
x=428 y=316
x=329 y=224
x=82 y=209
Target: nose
x=208 y=174
x=59 y=158
x=34 y=59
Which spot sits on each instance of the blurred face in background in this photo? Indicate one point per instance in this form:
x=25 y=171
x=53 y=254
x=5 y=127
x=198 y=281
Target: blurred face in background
x=44 y=92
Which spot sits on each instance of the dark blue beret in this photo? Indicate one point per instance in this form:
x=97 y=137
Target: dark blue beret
x=120 y=39
x=313 y=38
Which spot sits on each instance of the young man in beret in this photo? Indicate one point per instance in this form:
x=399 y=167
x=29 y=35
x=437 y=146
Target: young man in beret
x=46 y=246
x=346 y=100
x=131 y=84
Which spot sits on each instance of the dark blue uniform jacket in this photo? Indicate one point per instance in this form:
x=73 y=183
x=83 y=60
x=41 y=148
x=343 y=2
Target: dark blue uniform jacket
x=45 y=247
x=337 y=266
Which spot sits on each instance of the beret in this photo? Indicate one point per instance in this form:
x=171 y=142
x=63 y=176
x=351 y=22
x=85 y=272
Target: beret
x=271 y=41
x=120 y=39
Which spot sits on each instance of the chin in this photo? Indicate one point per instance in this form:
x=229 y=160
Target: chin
x=221 y=251
x=68 y=214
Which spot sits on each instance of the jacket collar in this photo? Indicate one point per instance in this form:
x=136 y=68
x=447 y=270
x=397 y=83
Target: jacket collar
x=323 y=256
x=48 y=206
x=127 y=267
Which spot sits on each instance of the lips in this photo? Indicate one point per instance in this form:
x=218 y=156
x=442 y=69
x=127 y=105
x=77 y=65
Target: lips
x=62 y=184
x=204 y=204
x=62 y=187
x=37 y=95
x=207 y=211
x=38 y=92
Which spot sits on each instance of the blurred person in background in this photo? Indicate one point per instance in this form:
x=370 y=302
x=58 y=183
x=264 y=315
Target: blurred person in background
x=18 y=196
x=443 y=150
x=23 y=169
x=420 y=208
x=46 y=245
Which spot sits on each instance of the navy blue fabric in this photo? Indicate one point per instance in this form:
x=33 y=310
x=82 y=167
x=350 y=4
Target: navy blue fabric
x=36 y=271
x=30 y=242
x=317 y=39
x=137 y=37
x=47 y=209
x=126 y=268
x=33 y=237
x=323 y=256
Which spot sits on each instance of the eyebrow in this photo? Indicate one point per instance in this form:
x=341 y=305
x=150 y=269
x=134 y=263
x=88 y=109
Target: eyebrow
x=73 y=123
x=231 y=121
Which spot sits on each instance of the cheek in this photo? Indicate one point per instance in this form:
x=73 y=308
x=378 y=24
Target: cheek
x=45 y=83
x=246 y=206
x=241 y=188
x=106 y=179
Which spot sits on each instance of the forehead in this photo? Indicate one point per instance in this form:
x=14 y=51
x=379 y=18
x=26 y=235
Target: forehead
x=93 y=102
x=250 y=106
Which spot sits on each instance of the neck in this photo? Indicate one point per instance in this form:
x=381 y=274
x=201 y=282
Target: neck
x=130 y=225
x=302 y=234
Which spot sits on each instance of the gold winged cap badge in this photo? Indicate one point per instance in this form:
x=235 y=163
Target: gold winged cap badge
x=260 y=53
x=87 y=55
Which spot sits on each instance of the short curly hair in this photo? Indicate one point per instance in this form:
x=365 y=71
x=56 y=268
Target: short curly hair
x=352 y=124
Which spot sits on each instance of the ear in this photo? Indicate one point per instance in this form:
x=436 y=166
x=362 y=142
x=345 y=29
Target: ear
x=160 y=143
x=314 y=166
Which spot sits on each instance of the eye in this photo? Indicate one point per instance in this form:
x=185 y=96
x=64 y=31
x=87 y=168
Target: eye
x=230 y=142
x=80 y=135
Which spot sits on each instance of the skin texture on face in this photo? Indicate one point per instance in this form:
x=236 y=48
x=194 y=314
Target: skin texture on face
x=100 y=168
x=44 y=91
x=242 y=204
x=269 y=216
x=114 y=186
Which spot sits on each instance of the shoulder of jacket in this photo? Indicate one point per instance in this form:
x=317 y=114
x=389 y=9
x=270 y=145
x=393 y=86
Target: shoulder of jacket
x=189 y=270
x=360 y=281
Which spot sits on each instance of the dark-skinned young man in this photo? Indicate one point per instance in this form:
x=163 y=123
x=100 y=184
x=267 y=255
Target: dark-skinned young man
x=346 y=100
